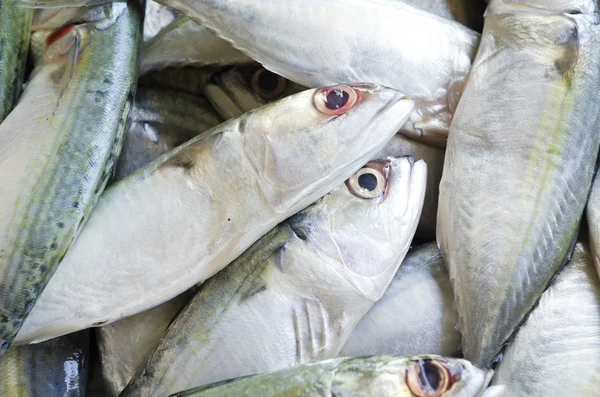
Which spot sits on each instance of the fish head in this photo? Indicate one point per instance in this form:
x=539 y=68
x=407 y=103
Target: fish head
x=251 y=86
x=304 y=145
x=365 y=227
x=410 y=376
x=542 y=6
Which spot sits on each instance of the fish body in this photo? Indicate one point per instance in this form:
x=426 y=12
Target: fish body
x=187 y=43
x=125 y=344
x=423 y=55
x=185 y=80
x=382 y=376
x=70 y=122
x=191 y=212
x=56 y=368
x=468 y=12
x=564 y=326
x=415 y=314
x=592 y=213
x=296 y=294
x=15 y=31
x=514 y=184
x=156 y=17
x=160 y=121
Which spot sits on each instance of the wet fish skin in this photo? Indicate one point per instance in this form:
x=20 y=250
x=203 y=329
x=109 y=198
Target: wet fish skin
x=446 y=48
x=467 y=12
x=415 y=314
x=186 y=80
x=184 y=190
x=433 y=156
x=564 y=326
x=593 y=221
x=125 y=344
x=187 y=43
x=383 y=376
x=160 y=121
x=56 y=368
x=57 y=165
x=15 y=30
x=296 y=294
x=156 y=17
x=506 y=229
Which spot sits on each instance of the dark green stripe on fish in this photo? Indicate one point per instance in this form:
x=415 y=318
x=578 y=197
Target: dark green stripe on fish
x=15 y=30
x=70 y=123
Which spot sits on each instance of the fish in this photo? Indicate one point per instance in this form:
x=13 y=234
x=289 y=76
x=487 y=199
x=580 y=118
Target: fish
x=421 y=54
x=384 y=376
x=242 y=88
x=239 y=89
x=400 y=145
x=56 y=368
x=467 y=12
x=294 y=296
x=186 y=43
x=70 y=122
x=184 y=217
x=125 y=344
x=415 y=315
x=592 y=213
x=15 y=31
x=156 y=17
x=186 y=80
x=160 y=121
x=514 y=185
x=564 y=326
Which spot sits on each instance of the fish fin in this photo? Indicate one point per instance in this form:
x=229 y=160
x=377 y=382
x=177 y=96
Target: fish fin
x=66 y=41
x=59 y=3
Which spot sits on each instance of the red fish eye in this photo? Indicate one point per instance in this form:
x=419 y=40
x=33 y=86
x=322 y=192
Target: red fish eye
x=335 y=100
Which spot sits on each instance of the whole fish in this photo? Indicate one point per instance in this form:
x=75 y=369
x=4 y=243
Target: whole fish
x=160 y=121
x=415 y=314
x=56 y=368
x=125 y=344
x=565 y=326
x=15 y=31
x=156 y=17
x=187 y=43
x=467 y=12
x=185 y=80
x=514 y=184
x=382 y=376
x=593 y=221
x=296 y=294
x=433 y=156
x=421 y=54
x=184 y=217
x=58 y=147
x=240 y=89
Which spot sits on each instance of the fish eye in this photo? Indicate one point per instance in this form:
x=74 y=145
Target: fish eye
x=370 y=181
x=268 y=84
x=335 y=100
x=428 y=378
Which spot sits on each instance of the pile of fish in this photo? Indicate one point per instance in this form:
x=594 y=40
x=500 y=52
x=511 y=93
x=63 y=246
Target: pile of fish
x=269 y=198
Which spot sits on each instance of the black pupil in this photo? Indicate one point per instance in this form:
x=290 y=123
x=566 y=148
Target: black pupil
x=337 y=99
x=267 y=81
x=429 y=376
x=367 y=182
